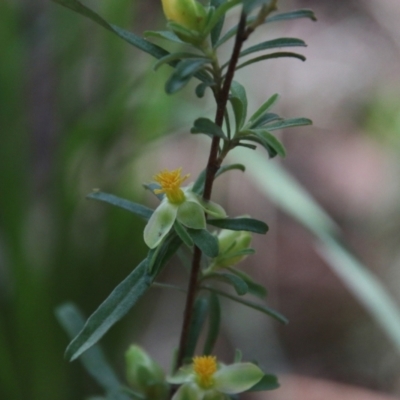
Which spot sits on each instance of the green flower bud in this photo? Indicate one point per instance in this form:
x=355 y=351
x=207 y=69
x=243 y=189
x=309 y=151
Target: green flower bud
x=188 y=13
x=145 y=375
x=231 y=243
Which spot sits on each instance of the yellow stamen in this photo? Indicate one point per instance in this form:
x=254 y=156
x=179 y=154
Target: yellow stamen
x=170 y=182
x=205 y=367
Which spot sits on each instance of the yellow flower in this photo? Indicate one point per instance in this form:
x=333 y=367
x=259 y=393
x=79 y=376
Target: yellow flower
x=170 y=182
x=187 y=13
x=204 y=367
x=207 y=379
x=180 y=204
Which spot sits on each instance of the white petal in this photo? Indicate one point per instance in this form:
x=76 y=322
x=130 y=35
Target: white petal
x=183 y=375
x=160 y=224
x=188 y=391
x=191 y=214
x=211 y=208
x=237 y=378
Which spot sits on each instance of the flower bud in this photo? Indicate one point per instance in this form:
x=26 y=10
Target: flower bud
x=145 y=375
x=230 y=244
x=188 y=13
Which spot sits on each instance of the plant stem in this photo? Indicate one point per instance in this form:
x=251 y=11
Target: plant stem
x=214 y=162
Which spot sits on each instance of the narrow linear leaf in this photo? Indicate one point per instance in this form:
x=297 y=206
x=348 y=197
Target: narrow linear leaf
x=272 y=44
x=271 y=141
x=168 y=248
x=255 y=288
x=175 y=56
x=238 y=91
x=205 y=241
x=240 y=224
x=263 y=109
x=236 y=282
x=181 y=232
x=184 y=71
x=265 y=119
x=289 y=123
x=259 y=307
x=132 y=207
x=200 y=311
x=153 y=186
x=133 y=39
x=281 y=54
x=201 y=89
x=238 y=111
x=220 y=12
x=267 y=382
x=205 y=125
x=93 y=360
x=216 y=31
x=130 y=37
x=304 y=13
x=271 y=152
x=230 y=167
x=167 y=35
x=247 y=145
x=238 y=356
x=117 y=304
x=214 y=323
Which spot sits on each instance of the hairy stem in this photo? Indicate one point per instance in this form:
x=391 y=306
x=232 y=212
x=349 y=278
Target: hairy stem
x=214 y=162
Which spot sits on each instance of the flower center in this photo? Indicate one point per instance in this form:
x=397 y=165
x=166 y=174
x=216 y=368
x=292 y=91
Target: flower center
x=170 y=182
x=204 y=368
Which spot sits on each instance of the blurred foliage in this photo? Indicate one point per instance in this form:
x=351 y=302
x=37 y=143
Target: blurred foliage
x=72 y=118
x=381 y=118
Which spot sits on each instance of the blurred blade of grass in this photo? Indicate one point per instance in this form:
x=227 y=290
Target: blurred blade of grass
x=55 y=246
x=291 y=197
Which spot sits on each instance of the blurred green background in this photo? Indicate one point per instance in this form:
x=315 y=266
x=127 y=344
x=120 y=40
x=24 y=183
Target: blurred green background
x=77 y=112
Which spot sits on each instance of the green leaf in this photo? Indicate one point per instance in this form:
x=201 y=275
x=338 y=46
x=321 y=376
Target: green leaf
x=265 y=119
x=93 y=360
x=214 y=323
x=176 y=56
x=267 y=382
x=240 y=224
x=259 y=307
x=219 y=13
x=205 y=125
x=152 y=187
x=230 y=167
x=205 y=241
x=165 y=251
x=131 y=38
x=292 y=15
x=201 y=89
x=238 y=283
x=263 y=109
x=281 y=54
x=272 y=44
x=184 y=71
x=200 y=311
x=270 y=141
x=289 y=123
x=117 y=304
x=181 y=232
x=168 y=35
x=240 y=105
x=252 y=138
x=216 y=31
x=132 y=207
x=238 y=356
x=255 y=288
